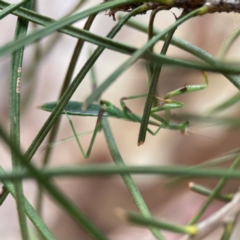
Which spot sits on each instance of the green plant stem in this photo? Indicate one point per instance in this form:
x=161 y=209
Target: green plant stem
x=109 y=170
x=56 y=194
x=30 y=212
x=135 y=56
x=214 y=193
x=228 y=156
x=67 y=95
x=15 y=45
x=54 y=40
x=207 y=192
x=56 y=37
x=228 y=230
x=132 y=188
x=233 y=100
x=122 y=48
x=14 y=94
x=227 y=44
x=11 y=8
x=186 y=46
x=152 y=91
x=93 y=77
x=149 y=65
x=38 y=56
x=66 y=83
x=140 y=220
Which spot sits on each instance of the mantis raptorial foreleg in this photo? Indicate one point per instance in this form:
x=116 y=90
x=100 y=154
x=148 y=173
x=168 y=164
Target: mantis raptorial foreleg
x=189 y=88
x=168 y=104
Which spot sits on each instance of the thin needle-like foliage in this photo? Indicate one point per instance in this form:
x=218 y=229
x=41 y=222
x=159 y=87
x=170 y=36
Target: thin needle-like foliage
x=157 y=116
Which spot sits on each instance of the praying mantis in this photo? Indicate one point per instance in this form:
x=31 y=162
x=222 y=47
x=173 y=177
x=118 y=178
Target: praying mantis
x=107 y=109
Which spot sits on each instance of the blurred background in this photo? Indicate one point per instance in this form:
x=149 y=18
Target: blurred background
x=44 y=70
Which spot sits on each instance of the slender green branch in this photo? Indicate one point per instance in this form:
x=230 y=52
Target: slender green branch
x=122 y=48
x=152 y=90
x=14 y=94
x=227 y=44
x=98 y=92
x=9 y=9
x=15 y=45
x=39 y=55
x=188 y=47
x=214 y=193
x=68 y=93
x=226 y=214
x=30 y=212
x=109 y=170
x=143 y=221
x=132 y=188
x=66 y=83
x=149 y=65
x=56 y=194
x=226 y=157
x=207 y=192
x=228 y=230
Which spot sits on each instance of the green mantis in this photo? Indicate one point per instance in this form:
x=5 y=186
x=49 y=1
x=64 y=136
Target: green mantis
x=107 y=109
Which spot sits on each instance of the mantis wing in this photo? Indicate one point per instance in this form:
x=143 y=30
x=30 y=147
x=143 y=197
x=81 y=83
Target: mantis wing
x=75 y=108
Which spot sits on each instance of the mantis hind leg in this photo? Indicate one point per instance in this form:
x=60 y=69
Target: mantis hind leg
x=96 y=130
x=188 y=88
x=154 y=132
